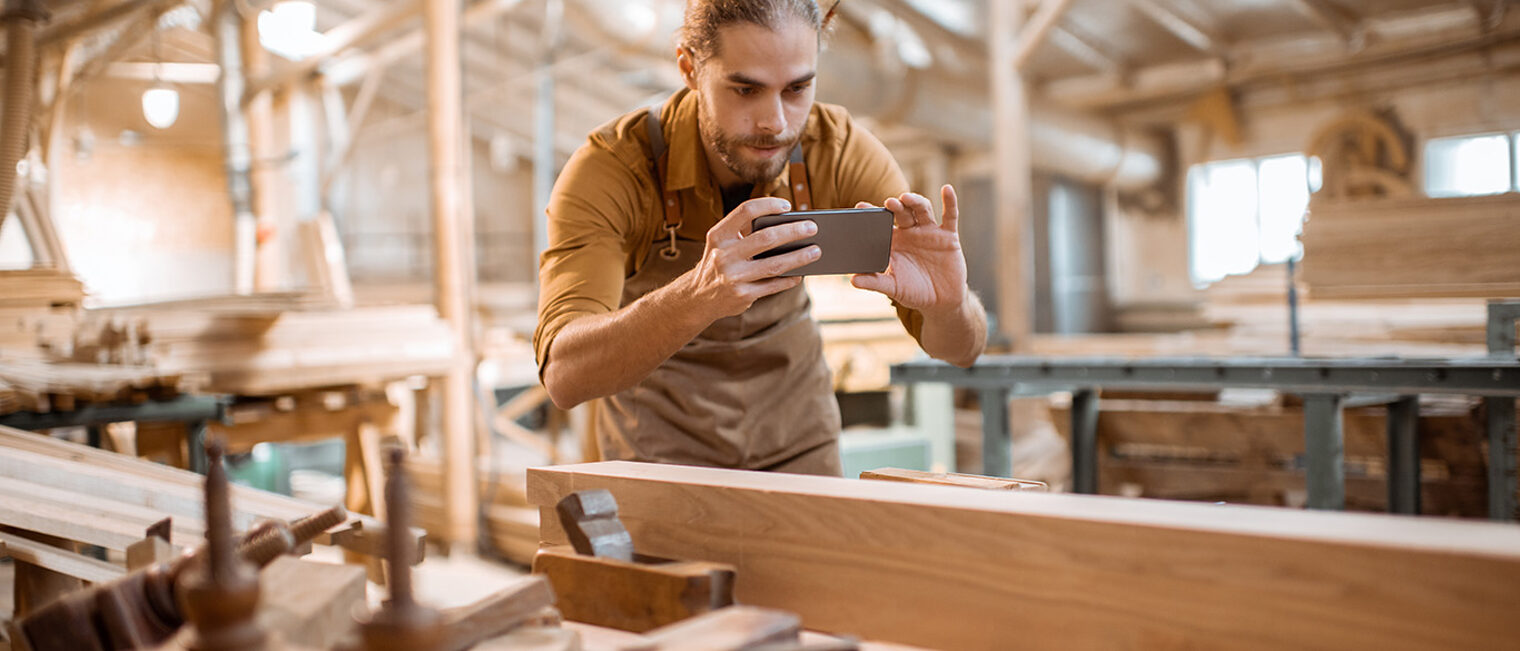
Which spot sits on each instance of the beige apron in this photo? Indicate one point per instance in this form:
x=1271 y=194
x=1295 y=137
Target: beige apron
x=751 y=391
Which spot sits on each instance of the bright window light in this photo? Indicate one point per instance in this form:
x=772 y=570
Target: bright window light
x=289 y=29
x=1284 y=191
x=1468 y=166
x=1245 y=212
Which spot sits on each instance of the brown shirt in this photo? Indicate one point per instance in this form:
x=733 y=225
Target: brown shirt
x=604 y=213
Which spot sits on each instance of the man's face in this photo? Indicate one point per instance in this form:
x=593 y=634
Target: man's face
x=755 y=93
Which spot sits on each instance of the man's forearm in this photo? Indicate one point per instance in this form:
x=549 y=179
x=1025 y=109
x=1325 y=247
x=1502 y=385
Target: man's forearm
x=603 y=354
x=957 y=336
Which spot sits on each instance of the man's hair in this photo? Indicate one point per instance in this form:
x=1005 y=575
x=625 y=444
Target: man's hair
x=699 y=32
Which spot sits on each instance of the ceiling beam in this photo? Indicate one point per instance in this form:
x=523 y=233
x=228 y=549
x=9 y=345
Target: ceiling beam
x=1339 y=20
x=1039 y=25
x=87 y=20
x=1276 y=62
x=1197 y=36
x=1082 y=49
x=338 y=40
x=353 y=68
x=176 y=73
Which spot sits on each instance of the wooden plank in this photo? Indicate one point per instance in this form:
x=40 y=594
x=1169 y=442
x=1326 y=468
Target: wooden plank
x=953 y=479
x=952 y=567
x=309 y=604
x=728 y=629
x=58 y=560
x=50 y=462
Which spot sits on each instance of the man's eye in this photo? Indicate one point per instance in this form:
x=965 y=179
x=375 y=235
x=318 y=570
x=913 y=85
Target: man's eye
x=744 y=91
x=798 y=89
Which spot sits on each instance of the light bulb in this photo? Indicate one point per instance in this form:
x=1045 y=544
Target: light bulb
x=160 y=106
x=295 y=16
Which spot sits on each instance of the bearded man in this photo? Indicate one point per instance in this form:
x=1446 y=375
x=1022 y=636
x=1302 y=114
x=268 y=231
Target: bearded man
x=652 y=302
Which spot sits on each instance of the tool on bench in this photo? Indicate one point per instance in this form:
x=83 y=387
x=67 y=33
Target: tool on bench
x=144 y=608
x=604 y=582
x=676 y=604
x=404 y=624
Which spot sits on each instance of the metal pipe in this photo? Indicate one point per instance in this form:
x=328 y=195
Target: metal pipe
x=228 y=28
x=20 y=18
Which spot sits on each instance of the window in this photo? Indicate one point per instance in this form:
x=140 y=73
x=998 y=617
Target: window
x=1246 y=212
x=1469 y=166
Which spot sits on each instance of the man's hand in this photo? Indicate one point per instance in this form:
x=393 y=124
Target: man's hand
x=727 y=281
x=928 y=270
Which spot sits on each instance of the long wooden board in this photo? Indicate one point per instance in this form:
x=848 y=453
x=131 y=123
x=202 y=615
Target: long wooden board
x=949 y=567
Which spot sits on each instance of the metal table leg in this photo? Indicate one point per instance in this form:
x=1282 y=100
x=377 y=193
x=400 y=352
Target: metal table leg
x=997 y=456
x=195 y=442
x=1501 y=458
x=1084 y=441
x=1325 y=448
x=1404 y=455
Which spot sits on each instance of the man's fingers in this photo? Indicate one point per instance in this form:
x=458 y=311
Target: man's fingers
x=864 y=204
x=920 y=210
x=737 y=223
x=770 y=286
x=901 y=216
x=755 y=270
x=766 y=239
x=883 y=283
x=952 y=218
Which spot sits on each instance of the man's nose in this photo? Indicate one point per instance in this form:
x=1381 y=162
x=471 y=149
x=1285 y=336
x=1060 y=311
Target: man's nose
x=770 y=117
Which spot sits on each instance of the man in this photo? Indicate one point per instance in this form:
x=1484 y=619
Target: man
x=649 y=297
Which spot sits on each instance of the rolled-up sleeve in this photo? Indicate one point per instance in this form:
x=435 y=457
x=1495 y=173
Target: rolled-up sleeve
x=590 y=214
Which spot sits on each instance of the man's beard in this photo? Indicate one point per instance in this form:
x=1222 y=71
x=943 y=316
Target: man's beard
x=748 y=169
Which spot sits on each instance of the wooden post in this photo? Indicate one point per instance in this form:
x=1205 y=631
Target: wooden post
x=445 y=125
x=1012 y=175
x=268 y=266
x=544 y=157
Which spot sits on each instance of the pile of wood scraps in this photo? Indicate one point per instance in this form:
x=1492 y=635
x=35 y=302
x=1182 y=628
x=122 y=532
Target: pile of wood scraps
x=39 y=288
x=263 y=346
x=38 y=386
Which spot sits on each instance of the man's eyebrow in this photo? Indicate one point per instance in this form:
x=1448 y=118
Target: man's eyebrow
x=742 y=79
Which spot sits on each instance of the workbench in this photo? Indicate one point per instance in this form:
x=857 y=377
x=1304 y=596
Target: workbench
x=1326 y=385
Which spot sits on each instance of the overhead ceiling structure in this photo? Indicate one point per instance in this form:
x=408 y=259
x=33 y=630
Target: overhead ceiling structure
x=920 y=63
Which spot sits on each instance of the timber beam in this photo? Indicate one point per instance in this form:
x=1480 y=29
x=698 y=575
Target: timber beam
x=950 y=567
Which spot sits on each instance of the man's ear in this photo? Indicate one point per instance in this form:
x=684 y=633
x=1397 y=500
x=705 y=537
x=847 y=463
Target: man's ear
x=688 y=67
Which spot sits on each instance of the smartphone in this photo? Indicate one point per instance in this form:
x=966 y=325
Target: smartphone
x=853 y=241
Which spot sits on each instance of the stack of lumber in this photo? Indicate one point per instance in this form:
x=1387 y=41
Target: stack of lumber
x=509 y=525
x=79 y=493
x=1413 y=247
x=961 y=568
x=39 y=288
x=1248 y=315
x=269 y=345
x=1215 y=449
x=862 y=337
x=30 y=385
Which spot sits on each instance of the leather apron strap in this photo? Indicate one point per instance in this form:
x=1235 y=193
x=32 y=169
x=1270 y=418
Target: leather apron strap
x=670 y=203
